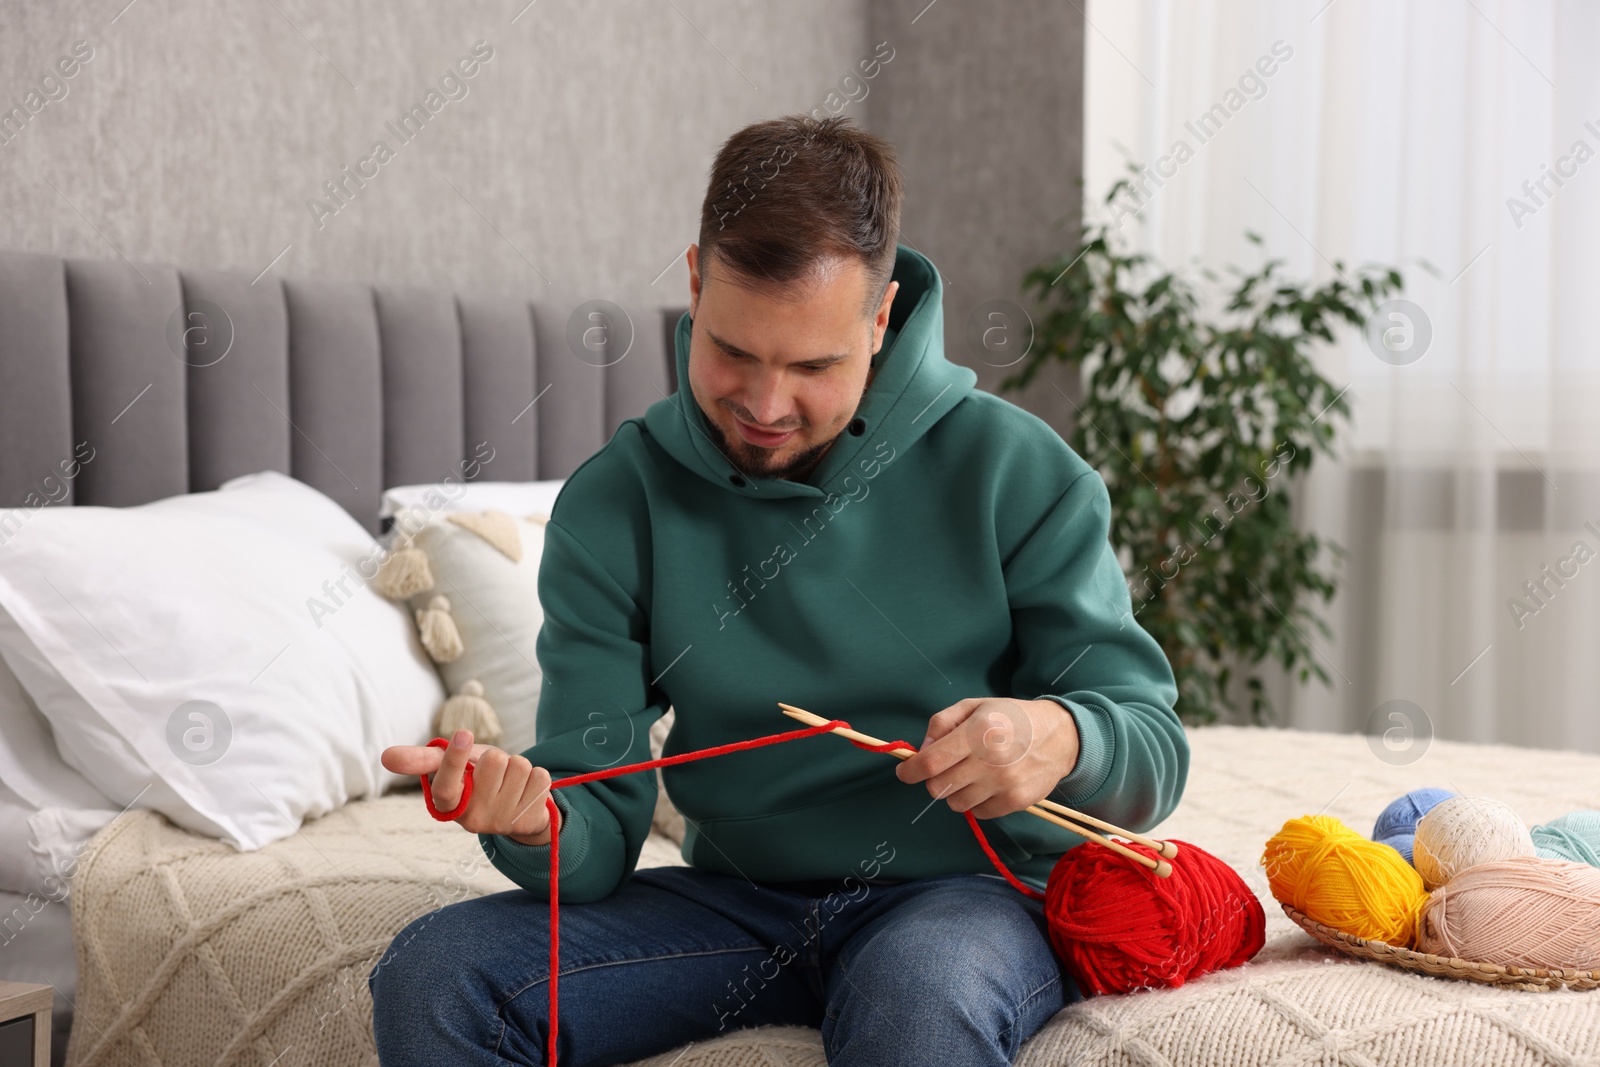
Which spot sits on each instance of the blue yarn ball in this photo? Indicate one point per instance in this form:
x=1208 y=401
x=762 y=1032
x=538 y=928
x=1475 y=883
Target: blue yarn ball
x=1397 y=823
x=1574 y=837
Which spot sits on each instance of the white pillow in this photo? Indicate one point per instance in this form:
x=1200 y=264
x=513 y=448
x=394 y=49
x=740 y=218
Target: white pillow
x=39 y=848
x=30 y=764
x=48 y=811
x=216 y=656
x=513 y=498
x=19 y=871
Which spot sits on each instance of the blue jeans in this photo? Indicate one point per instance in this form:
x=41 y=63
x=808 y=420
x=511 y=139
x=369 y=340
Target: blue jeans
x=954 y=970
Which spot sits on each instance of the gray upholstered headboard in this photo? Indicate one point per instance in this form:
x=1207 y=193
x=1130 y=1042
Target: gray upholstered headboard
x=348 y=387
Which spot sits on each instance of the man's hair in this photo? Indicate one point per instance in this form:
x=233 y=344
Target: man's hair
x=790 y=193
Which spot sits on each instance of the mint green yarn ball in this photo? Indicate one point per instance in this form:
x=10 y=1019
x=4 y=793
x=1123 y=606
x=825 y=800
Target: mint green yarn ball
x=1574 y=837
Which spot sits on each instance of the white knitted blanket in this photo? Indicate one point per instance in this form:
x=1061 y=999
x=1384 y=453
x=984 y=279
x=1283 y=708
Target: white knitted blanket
x=191 y=953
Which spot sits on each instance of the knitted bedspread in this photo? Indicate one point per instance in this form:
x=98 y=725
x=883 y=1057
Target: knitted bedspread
x=190 y=953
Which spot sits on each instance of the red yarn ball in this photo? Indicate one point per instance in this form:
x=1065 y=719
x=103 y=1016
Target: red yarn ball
x=1118 y=927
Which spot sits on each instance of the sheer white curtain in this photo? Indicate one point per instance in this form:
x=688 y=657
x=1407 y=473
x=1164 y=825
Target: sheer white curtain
x=1464 y=134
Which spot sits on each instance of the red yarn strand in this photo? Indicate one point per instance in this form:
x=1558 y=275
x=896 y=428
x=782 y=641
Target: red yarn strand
x=972 y=821
x=988 y=850
x=466 y=790
x=1112 y=936
x=716 y=750
x=555 y=919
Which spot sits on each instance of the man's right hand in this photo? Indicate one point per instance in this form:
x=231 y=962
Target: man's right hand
x=508 y=791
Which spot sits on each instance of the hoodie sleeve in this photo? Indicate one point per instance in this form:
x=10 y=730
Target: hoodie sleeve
x=596 y=707
x=1080 y=646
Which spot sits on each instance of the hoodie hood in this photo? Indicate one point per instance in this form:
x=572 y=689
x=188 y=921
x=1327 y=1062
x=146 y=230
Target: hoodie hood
x=915 y=386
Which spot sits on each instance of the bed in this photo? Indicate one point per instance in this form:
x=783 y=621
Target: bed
x=261 y=953
x=173 y=948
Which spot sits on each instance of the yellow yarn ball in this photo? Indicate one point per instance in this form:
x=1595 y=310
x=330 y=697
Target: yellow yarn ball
x=1328 y=872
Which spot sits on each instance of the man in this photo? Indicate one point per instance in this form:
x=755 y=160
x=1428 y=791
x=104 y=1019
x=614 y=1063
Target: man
x=826 y=514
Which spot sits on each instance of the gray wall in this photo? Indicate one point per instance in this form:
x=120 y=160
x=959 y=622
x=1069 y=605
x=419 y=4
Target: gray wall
x=572 y=168
x=984 y=103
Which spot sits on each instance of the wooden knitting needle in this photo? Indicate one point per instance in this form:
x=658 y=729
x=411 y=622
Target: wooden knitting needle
x=1161 y=848
x=1162 y=868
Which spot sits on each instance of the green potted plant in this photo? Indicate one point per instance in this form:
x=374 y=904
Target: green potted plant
x=1197 y=422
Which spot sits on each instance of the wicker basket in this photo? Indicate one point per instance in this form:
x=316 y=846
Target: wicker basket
x=1529 y=978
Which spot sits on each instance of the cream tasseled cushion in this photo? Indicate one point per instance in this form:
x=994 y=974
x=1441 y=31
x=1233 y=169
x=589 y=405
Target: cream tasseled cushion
x=471 y=579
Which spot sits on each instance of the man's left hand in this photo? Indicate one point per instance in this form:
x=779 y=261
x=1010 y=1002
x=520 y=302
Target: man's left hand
x=994 y=755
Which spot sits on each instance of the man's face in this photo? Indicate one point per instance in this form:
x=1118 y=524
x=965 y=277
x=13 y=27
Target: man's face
x=779 y=375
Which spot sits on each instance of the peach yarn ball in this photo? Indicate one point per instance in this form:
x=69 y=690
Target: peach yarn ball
x=1526 y=911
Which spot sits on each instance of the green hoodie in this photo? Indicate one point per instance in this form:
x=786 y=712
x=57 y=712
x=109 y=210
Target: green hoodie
x=949 y=545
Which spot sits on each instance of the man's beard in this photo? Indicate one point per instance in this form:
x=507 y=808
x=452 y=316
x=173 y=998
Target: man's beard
x=754 y=460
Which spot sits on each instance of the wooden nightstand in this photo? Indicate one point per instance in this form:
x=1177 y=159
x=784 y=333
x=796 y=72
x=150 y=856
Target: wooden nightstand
x=24 y=1024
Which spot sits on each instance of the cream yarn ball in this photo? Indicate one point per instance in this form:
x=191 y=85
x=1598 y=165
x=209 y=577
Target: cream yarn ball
x=1461 y=832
